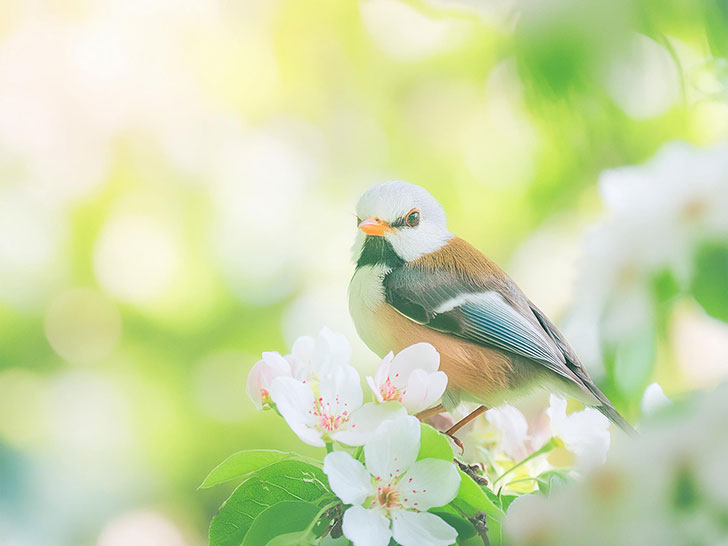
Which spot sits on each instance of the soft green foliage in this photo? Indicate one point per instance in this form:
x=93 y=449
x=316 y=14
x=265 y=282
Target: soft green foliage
x=286 y=502
x=434 y=445
x=710 y=282
x=283 y=518
x=283 y=481
x=244 y=463
x=471 y=499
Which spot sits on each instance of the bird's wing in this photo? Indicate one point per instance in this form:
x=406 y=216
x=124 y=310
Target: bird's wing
x=473 y=299
x=574 y=364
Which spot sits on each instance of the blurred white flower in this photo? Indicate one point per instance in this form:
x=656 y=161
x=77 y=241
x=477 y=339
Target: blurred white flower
x=585 y=433
x=679 y=463
x=410 y=377
x=513 y=428
x=657 y=214
x=643 y=80
x=653 y=399
x=504 y=440
x=522 y=519
x=673 y=200
x=391 y=495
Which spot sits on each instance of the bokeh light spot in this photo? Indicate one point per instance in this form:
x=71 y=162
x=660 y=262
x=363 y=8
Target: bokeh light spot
x=82 y=326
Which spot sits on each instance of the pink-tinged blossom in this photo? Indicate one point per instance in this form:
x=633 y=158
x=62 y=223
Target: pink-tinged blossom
x=261 y=376
x=412 y=377
x=309 y=358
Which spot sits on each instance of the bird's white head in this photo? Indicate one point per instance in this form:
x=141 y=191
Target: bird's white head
x=398 y=221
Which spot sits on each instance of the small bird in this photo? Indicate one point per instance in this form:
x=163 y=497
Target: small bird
x=417 y=282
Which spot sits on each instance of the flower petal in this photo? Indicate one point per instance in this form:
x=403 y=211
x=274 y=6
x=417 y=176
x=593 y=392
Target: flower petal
x=348 y=478
x=330 y=351
x=556 y=411
x=277 y=364
x=513 y=428
x=341 y=391
x=422 y=356
x=423 y=390
x=393 y=448
x=256 y=382
x=429 y=483
x=585 y=433
x=384 y=368
x=653 y=399
x=262 y=374
x=364 y=422
x=366 y=527
x=294 y=401
x=375 y=389
x=303 y=348
x=420 y=528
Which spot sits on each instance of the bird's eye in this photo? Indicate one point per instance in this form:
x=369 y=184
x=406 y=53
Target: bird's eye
x=413 y=218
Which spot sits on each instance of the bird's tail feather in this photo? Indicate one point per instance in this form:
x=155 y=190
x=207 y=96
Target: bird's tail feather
x=615 y=417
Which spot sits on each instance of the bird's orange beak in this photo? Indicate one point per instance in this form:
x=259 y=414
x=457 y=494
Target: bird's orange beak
x=375 y=226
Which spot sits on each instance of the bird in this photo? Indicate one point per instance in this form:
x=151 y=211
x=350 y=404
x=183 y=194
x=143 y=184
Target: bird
x=415 y=281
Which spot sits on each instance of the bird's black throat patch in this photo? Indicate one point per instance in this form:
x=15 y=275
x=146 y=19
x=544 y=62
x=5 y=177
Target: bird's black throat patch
x=378 y=251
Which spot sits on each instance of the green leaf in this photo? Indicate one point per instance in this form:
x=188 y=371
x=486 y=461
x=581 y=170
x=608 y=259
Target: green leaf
x=550 y=480
x=283 y=518
x=279 y=482
x=453 y=518
x=434 y=444
x=634 y=361
x=244 y=463
x=472 y=498
x=330 y=541
x=506 y=501
x=297 y=538
x=495 y=532
x=710 y=280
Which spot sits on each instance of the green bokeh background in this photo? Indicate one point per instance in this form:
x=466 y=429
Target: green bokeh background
x=235 y=134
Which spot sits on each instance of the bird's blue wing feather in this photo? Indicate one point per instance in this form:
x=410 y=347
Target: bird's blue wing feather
x=480 y=316
x=488 y=319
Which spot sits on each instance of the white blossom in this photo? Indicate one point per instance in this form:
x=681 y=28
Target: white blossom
x=653 y=399
x=411 y=377
x=391 y=493
x=585 y=433
x=309 y=359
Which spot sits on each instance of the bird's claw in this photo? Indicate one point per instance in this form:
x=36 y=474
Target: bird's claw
x=456 y=441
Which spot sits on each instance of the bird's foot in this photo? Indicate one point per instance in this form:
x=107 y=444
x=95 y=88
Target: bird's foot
x=460 y=424
x=426 y=414
x=456 y=441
